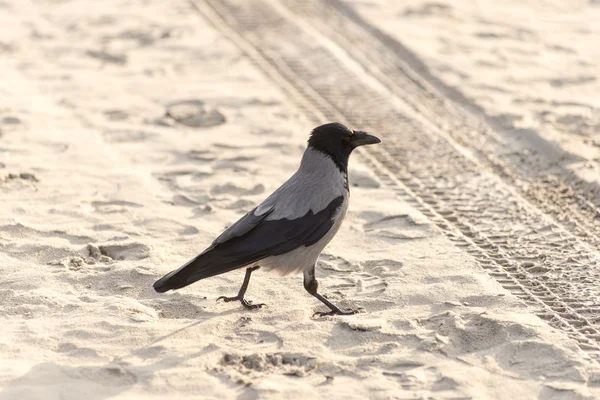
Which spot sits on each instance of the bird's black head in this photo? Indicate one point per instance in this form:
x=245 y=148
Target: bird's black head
x=337 y=141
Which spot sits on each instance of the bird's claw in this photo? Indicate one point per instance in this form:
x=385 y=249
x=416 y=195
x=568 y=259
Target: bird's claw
x=251 y=306
x=335 y=312
x=227 y=299
x=247 y=304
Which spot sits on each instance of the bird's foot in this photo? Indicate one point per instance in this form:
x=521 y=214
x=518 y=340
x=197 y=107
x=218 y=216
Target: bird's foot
x=247 y=304
x=335 y=312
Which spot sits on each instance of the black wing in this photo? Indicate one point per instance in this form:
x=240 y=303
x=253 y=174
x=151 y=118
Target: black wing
x=249 y=240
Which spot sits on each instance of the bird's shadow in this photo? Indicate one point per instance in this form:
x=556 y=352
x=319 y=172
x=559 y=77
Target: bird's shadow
x=49 y=380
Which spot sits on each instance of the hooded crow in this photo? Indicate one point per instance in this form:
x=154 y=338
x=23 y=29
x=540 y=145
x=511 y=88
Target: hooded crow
x=286 y=232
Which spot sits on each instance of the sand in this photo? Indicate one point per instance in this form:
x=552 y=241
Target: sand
x=529 y=67
x=131 y=134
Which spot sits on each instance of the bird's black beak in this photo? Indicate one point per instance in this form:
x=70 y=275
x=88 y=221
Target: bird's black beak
x=362 y=138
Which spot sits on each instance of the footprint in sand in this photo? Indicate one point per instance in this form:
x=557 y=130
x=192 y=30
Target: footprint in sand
x=430 y=9
x=9 y=124
x=186 y=180
x=23 y=177
x=116 y=115
x=368 y=285
x=203 y=155
x=186 y=191
x=107 y=58
x=187 y=201
x=139 y=37
x=9 y=120
x=118 y=251
x=194 y=113
x=79 y=264
x=286 y=363
x=563 y=82
x=395 y=227
x=240 y=204
x=383 y=267
x=100 y=204
x=330 y=262
x=351 y=280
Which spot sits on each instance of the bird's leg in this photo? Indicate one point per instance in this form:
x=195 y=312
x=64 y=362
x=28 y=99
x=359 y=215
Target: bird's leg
x=311 y=285
x=240 y=295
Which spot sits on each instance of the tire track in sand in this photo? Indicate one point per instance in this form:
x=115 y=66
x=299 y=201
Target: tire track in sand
x=522 y=161
x=554 y=270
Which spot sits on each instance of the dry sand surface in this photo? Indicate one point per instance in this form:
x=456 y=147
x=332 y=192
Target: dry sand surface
x=133 y=132
x=530 y=66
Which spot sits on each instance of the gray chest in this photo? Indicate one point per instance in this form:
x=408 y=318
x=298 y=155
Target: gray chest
x=304 y=257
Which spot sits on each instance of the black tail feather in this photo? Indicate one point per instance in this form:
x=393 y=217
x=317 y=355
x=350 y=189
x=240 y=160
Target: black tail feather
x=202 y=266
x=169 y=282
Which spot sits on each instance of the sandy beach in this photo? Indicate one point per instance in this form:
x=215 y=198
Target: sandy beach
x=133 y=132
